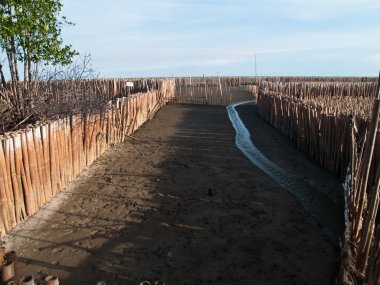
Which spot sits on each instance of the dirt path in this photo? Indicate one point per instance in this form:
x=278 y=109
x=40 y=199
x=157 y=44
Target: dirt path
x=177 y=203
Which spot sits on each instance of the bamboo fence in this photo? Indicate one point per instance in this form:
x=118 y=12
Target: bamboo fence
x=217 y=91
x=197 y=95
x=108 y=88
x=332 y=122
x=38 y=161
x=249 y=80
x=47 y=100
x=360 y=253
x=328 y=118
x=318 y=124
x=320 y=90
x=321 y=79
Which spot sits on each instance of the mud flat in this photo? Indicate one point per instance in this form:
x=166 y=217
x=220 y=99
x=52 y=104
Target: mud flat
x=178 y=202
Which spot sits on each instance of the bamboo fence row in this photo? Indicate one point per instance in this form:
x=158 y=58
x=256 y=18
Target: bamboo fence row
x=339 y=132
x=46 y=100
x=317 y=125
x=311 y=90
x=253 y=80
x=211 y=91
x=322 y=79
x=311 y=129
x=36 y=162
x=197 y=95
x=212 y=81
x=108 y=88
x=360 y=252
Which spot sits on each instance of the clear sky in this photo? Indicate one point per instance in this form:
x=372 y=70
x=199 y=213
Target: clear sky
x=142 y=38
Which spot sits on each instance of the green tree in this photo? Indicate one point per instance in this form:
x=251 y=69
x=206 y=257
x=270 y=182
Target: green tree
x=30 y=33
x=7 y=36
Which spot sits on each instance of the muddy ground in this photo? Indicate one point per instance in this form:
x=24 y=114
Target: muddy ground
x=179 y=203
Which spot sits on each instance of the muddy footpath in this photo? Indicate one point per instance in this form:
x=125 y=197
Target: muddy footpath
x=180 y=204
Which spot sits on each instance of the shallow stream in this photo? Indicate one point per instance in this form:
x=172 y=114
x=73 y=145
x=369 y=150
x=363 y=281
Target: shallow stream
x=317 y=203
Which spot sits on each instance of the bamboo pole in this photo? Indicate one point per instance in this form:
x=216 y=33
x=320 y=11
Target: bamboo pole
x=33 y=169
x=52 y=159
x=6 y=208
x=367 y=158
x=29 y=196
x=374 y=262
x=61 y=155
x=15 y=181
x=44 y=167
x=46 y=158
x=40 y=166
x=20 y=172
x=8 y=177
x=369 y=226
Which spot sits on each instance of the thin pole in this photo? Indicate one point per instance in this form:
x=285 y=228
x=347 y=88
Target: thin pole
x=256 y=70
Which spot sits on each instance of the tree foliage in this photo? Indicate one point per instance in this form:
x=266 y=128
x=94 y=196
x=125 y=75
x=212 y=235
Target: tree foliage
x=30 y=34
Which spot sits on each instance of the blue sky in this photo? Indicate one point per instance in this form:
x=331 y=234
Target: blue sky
x=194 y=37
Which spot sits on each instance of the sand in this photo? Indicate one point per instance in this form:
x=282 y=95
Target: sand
x=179 y=203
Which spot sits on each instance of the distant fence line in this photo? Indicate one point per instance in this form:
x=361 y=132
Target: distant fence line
x=217 y=91
x=253 y=80
x=321 y=79
x=108 y=88
x=210 y=95
x=37 y=162
x=312 y=90
x=213 y=81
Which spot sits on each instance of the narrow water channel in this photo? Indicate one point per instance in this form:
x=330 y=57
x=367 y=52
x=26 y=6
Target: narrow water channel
x=317 y=203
